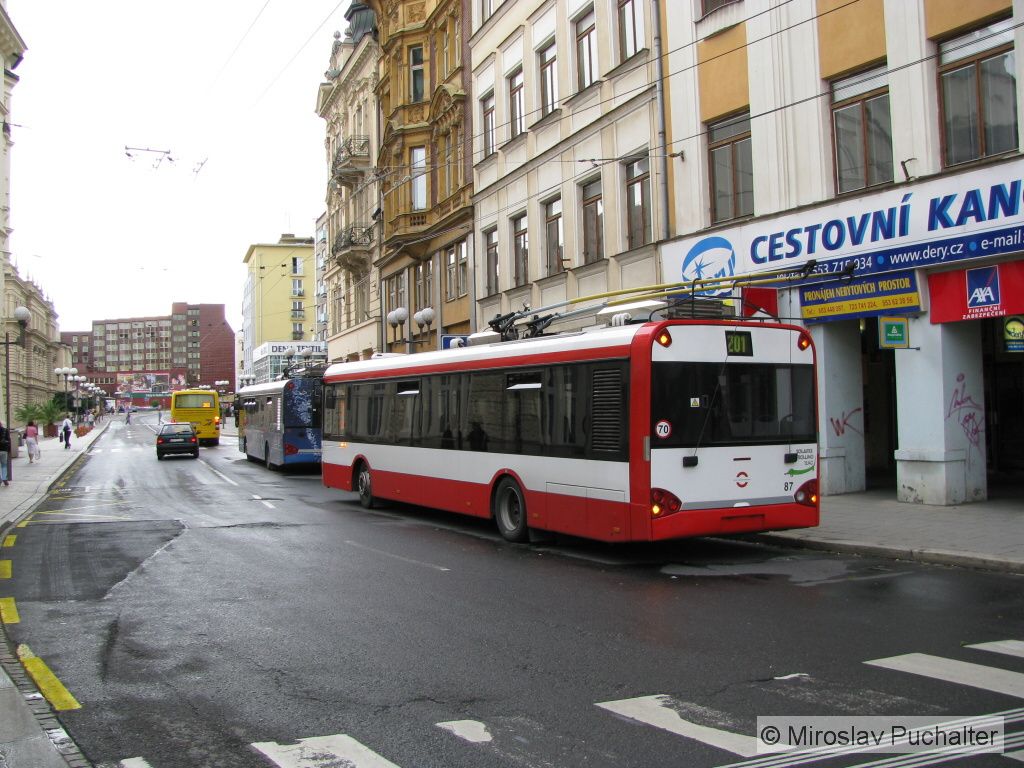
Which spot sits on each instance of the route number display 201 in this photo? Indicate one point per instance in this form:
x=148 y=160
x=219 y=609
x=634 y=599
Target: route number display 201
x=739 y=343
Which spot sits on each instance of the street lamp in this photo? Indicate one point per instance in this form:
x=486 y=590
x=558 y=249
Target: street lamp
x=22 y=315
x=66 y=373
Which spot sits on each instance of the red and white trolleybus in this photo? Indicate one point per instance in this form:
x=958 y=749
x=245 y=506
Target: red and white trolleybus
x=658 y=430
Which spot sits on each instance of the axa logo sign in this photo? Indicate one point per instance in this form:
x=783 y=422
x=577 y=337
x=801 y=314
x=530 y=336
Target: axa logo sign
x=983 y=287
x=710 y=258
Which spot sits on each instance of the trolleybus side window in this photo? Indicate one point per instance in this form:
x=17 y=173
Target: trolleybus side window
x=334 y=411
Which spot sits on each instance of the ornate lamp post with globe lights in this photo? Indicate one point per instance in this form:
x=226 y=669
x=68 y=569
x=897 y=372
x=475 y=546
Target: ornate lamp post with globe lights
x=68 y=375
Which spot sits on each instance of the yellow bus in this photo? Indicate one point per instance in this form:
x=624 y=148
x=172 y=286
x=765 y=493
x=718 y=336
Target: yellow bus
x=201 y=407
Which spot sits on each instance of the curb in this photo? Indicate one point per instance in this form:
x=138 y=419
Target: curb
x=927 y=556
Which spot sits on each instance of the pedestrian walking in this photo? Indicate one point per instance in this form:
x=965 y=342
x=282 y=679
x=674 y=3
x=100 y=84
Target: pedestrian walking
x=5 y=454
x=65 y=430
x=128 y=416
x=32 y=441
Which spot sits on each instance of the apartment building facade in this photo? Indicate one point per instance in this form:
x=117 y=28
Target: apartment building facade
x=424 y=164
x=192 y=346
x=347 y=102
x=569 y=177
x=278 y=297
x=880 y=138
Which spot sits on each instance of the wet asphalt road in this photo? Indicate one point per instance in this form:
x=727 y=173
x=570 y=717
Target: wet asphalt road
x=198 y=608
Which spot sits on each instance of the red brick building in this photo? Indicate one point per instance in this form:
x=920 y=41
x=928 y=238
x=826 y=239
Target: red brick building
x=192 y=346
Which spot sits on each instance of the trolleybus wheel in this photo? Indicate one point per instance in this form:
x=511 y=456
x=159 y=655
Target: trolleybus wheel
x=364 y=485
x=509 y=510
x=266 y=457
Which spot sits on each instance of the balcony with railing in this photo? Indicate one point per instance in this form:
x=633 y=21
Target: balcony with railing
x=351 y=161
x=352 y=247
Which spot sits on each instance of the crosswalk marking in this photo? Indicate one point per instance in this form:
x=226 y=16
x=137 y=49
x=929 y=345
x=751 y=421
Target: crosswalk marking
x=468 y=730
x=134 y=762
x=1009 y=647
x=317 y=752
x=656 y=710
x=1019 y=755
x=952 y=671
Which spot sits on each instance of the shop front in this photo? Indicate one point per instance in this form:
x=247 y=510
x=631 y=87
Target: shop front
x=915 y=297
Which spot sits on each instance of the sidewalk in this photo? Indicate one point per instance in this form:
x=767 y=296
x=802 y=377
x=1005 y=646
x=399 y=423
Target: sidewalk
x=986 y=534
x=30 y=735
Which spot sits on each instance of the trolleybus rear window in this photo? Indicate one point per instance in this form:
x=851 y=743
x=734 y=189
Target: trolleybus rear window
x=193 y=401
x=706 y=404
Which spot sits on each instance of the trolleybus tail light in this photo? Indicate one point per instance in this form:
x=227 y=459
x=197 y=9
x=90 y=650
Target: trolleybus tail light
x=216 y=420
x=664 y=503
x=807 y=494
x=804 y=340
x=290 y=450
x=665 y=339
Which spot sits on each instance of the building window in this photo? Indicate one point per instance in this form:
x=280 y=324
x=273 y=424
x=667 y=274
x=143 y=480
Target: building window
x=515 y=104
x=520 y=251
x=296 y=265
x=554 y=240
x=593 y=222
x=548 y=81
x=638 y=202
x=714 y=5
x=297 y=287
x=732 y=172
x=586 y=51
x=486 y=9
x=424 y=285
x=418 y=161
x=979 y=94
x=863 y=131
x=445 y=47
x=416 y=83
x=396 y=290
x=456 y=270
x=631 y=28
x=487 y=109
x=491 y=251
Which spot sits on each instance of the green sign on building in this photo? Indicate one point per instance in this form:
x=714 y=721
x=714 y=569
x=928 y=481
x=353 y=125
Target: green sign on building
x=893 y=333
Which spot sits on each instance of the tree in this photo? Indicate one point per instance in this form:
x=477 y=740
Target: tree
x=29 y=412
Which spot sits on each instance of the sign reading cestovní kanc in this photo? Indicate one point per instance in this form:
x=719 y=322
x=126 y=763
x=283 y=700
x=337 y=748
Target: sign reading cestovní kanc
x=947 y=219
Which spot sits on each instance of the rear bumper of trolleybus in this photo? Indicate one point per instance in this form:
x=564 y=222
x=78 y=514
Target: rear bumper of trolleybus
x=688 y=523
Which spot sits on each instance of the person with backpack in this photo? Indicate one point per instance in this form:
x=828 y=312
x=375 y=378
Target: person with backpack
x=65 y=431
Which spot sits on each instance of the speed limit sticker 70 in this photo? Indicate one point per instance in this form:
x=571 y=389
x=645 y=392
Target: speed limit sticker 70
x=663 y=429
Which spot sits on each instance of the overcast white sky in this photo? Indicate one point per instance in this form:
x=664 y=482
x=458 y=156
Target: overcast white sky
x=106 y=236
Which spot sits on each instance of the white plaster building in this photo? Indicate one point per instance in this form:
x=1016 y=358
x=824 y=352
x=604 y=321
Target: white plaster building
x=882 y=136
x=568 y=174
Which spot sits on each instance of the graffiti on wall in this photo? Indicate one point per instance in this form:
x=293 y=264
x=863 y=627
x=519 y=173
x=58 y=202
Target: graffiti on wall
x=968 y=414
x=840 y=425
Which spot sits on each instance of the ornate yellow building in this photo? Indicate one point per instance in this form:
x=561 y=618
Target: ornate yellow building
x=426 y=176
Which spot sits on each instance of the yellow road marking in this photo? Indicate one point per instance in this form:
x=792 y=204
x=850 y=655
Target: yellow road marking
x=9 y=540
x=85 y=515
x=60 y=698
x=8 y=611
x=23 y=523
x=5 y=569
x=90 y=506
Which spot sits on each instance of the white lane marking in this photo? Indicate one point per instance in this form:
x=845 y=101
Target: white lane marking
x=468 y=730
x=115 y=450
x=656 y=711
x=794 y=676
x=396 y=557
x=134 y=762
x=266 y=504
x=1009 y=647
x=317 y=752
x=221 y=475
x=952 y=671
